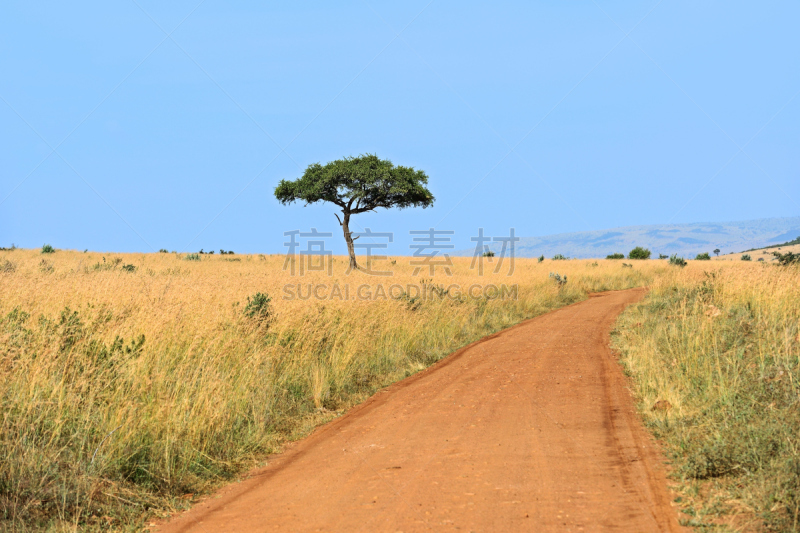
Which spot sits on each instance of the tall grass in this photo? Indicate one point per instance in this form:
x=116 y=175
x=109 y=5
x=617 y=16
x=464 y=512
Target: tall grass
x=720 y=345
x=124 y=391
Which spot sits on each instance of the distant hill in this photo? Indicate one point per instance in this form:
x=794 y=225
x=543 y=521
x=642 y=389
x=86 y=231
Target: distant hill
x=684 y=239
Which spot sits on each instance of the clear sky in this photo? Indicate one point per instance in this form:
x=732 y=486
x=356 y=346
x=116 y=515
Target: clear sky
x=172 y=122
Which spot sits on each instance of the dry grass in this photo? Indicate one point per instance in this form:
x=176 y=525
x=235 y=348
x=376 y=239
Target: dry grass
x=721 y=344
x=122 y=392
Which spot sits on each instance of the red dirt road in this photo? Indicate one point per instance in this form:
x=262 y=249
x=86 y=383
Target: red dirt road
x=531 y=429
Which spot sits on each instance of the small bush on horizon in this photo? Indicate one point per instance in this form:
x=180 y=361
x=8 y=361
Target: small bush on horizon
x=662 y=256
x=615 y=256
x=703 y=257
x=192 y=257
x=163 y=251
x=559 y=257
x=541 y=258
x=746 y=257
x=639 y=253
x=47 y=249
x=677 y=261
x=488 y=253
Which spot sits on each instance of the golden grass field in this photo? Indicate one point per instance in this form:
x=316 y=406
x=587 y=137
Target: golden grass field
x=127 y=393
x=103 y=427
x=720 y=343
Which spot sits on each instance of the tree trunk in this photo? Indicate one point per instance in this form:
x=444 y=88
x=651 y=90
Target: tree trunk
x=347 y=237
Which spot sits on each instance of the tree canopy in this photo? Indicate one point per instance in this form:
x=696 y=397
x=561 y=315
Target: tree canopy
x=358 y=184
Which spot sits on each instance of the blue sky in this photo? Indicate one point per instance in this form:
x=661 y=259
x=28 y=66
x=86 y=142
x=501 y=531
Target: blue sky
x=172 y=124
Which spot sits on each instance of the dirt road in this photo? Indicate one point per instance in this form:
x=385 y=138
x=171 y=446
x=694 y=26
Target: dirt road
x=531 y=429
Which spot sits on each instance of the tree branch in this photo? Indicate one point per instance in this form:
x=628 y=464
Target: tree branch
x=337 y=218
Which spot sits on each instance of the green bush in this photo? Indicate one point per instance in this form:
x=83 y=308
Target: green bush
x=746 y=257
x=258 y=308
x=559 y=257
x=639 y=253
x=677 y=261
x=47 y=249
x=541 y=258
x=615 y=256
x=488 y=253
x=163 y=251
x=788 y=258
x=703 y=257
x=129 y=268
x=662 y=256
x=192 y=257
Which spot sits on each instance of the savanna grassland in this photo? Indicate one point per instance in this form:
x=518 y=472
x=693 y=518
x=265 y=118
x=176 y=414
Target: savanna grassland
x=133 y=382
x=714 y=356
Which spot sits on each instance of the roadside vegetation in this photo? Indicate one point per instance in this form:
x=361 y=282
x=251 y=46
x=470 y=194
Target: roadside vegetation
x=131 y=383
x=714 y=357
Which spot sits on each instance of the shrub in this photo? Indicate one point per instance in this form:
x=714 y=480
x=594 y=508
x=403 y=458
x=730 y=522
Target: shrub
x=716 y=252
x=258 y=308
x=677 y=261
x=559 y=257
x=129 y=268
x=639 y=253
x=746 y=257
x=615 y=256
x=788 y=258
x=703 y=257
x=192 y=257
x=662 y=256
x=488 y=253
x=558 y=279
x=541 y=258
x=47 y=249
x=163 y=251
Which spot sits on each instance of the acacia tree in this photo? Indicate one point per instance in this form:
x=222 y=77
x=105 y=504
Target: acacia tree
x=357 y=185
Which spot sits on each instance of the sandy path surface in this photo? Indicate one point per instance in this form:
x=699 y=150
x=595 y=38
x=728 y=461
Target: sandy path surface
x=531 y=429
